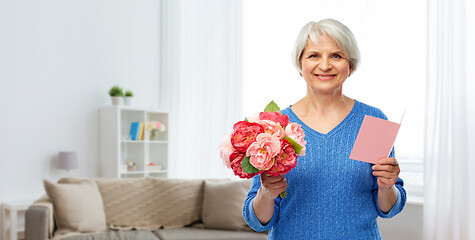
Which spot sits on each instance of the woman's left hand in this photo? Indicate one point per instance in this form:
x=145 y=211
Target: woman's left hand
x=387 y=170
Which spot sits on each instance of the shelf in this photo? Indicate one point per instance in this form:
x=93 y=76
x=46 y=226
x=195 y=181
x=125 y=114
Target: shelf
x=11 y=213
x=144 y=141
x=139 y=109
x=142 y=172
x=117 y=150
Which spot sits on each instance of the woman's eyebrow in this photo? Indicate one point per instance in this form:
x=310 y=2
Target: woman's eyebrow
x=331 y=52
x=337 y=52
x=312 y=51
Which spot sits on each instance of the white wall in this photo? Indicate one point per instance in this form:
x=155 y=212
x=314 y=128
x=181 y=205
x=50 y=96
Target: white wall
x=58 y=60
x=406 y=225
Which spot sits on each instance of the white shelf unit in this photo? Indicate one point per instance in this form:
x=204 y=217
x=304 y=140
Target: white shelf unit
x=116 y=148
x=13 y=213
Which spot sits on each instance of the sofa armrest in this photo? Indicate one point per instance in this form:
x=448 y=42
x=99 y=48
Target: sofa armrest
x=39 y=221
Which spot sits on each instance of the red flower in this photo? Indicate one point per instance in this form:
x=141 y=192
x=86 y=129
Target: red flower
x=285 y=160
x=244 y=134
x=236 y=158
x=278 y=117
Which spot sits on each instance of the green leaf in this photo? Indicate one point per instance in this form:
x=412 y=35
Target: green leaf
x=272 y=107
x=297 y=148
x=245 y=119
x=247 y=166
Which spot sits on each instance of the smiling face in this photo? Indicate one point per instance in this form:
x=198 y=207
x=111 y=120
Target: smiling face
x=324 y=67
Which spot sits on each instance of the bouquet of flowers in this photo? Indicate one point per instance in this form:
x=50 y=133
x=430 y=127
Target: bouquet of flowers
x=154 y=127
x=265 y=143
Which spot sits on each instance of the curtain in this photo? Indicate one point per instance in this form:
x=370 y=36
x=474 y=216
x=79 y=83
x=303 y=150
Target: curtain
x=201 y=65
x=449 y=185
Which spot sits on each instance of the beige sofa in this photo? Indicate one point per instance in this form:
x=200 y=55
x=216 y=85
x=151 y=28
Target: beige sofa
x=142 y=209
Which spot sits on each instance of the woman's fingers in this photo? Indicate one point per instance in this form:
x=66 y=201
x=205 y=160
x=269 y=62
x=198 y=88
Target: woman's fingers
x=387 y=170
x=271 y=179
x=387 y=164
x=388 y=161
x=384 y=174
x=274 y=185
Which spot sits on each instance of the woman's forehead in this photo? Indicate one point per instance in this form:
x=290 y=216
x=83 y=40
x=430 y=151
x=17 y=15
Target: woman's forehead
x=322 y=43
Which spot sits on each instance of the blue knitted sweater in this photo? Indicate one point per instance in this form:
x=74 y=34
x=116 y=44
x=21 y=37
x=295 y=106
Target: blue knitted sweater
x=329 y=195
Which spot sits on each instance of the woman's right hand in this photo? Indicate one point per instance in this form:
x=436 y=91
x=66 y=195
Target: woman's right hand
x=272 y=186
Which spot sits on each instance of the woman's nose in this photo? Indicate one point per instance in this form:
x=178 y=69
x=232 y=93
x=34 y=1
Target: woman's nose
x=325 y=64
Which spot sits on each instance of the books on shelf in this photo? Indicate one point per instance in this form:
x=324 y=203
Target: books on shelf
x=137 y=131
x=134 y=131
x=142 y=125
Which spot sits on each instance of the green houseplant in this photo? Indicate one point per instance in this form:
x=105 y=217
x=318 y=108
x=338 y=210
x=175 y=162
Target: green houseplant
x=129 y=95
x=116 y=93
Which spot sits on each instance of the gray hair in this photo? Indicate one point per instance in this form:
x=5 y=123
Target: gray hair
x=334 y=29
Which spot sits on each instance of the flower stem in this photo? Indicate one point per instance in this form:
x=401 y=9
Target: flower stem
x=283 y=194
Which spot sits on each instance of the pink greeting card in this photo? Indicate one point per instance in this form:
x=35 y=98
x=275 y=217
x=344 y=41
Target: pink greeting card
x=375 y=139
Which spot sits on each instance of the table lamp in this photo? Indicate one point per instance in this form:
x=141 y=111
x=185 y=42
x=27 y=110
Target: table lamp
x=67 y=160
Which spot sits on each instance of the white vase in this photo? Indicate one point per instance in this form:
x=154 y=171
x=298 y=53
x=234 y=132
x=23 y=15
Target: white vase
x=116 y=100
x=128 y=101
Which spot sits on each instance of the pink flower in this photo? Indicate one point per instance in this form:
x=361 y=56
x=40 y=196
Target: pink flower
x=244 y=134
x=278 y=117
x=253 y=118
x=225 y=150
x=273 y=128
x=263 y=151
x=295 y=131
x=235 y=160
x=285 y=161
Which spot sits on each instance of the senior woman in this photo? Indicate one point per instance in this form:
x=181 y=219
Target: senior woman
x=329 y=195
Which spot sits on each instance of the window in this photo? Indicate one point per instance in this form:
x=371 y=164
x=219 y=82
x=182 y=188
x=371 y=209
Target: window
x=392 y=41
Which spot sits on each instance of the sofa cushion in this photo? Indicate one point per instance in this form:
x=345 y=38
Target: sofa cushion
x=111 y=235
x=150 y=203
x=206 y=234
x=223 y=202
x=78 y=207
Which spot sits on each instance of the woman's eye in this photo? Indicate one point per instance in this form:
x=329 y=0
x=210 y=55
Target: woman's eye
x=313 y=56
x=338 y=56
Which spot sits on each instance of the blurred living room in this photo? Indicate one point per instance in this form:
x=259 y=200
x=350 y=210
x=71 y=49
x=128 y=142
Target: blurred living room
x=193 y=68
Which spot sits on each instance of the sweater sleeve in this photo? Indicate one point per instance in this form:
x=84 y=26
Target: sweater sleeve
x=248 y=210
x=401 y=196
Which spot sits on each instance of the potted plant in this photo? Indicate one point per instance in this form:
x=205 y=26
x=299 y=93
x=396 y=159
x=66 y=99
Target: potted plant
x=116 y=94
x=128 y=97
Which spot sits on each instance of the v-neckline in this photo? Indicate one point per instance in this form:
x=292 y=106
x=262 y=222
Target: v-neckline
x=331 y=132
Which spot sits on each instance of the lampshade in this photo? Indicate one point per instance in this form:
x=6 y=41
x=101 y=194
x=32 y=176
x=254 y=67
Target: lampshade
x=67 y=160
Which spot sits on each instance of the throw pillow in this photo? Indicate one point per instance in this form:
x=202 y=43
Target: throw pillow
x=151 y=203
x=223 y=202
x=78 y=207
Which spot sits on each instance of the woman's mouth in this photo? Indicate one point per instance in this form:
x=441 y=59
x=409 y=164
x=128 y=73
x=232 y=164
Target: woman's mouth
x=325 y=76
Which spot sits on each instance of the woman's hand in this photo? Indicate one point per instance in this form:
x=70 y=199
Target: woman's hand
x=387 y=170
x=272 y=186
